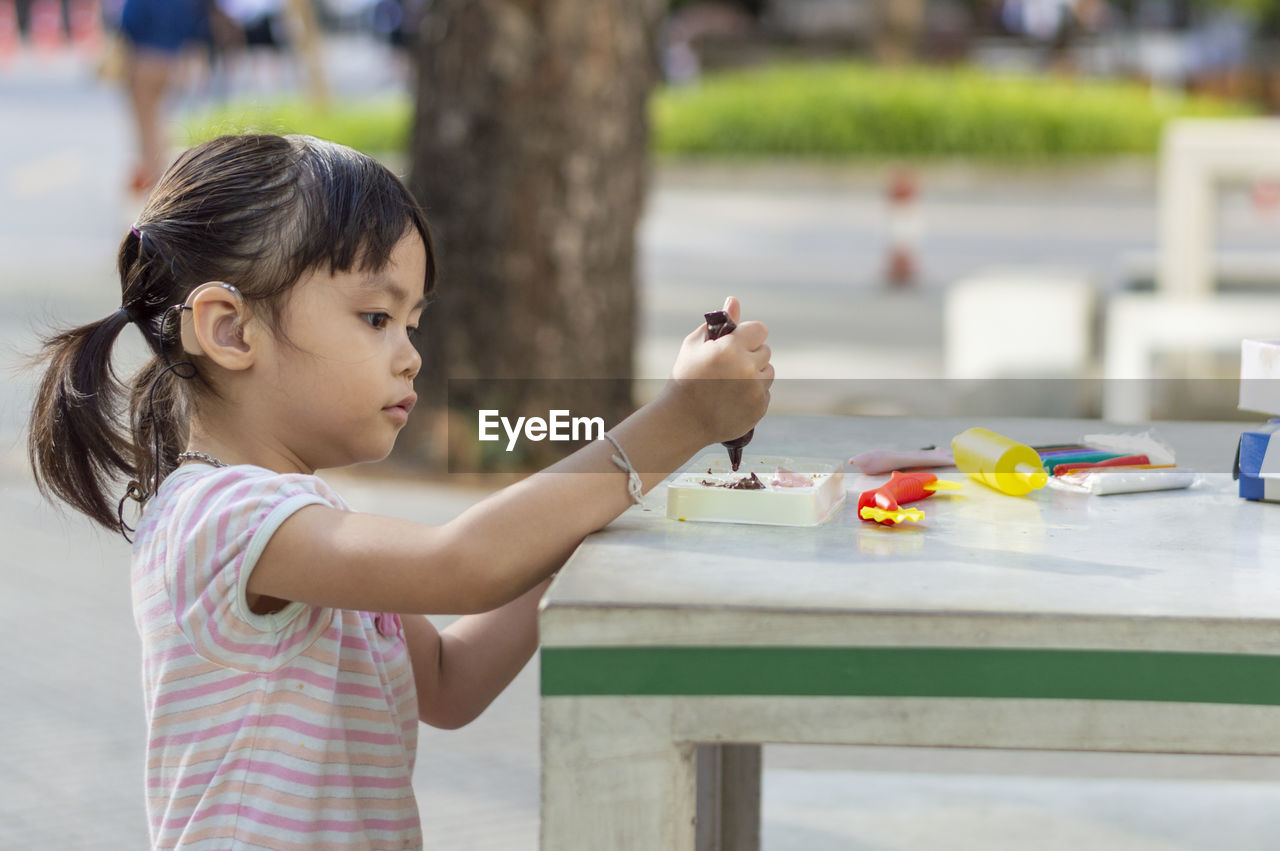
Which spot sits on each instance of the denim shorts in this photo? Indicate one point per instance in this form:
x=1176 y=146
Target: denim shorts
x=165 y=25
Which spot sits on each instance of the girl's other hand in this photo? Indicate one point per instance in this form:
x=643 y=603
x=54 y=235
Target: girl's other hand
x=723 y=385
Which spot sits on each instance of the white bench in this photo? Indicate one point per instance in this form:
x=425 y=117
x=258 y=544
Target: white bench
x=1186 y=311
x=1021 y=322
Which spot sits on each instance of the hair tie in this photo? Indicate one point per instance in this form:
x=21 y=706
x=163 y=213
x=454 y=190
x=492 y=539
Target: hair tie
x=129 y=314
x=136 y=231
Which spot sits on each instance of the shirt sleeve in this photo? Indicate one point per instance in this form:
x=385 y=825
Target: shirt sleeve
x=219 y=532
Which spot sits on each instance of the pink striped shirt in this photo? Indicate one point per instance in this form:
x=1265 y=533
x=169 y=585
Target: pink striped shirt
x=290 y=730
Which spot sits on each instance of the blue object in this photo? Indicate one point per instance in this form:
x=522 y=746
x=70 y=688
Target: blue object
x=165 y=26
x=1259 y=477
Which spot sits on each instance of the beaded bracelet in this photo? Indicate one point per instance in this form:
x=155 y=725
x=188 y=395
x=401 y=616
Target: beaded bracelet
x=634 y=486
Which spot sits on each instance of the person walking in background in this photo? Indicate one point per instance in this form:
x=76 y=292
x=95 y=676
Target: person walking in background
x=158 y=34
x=287 y=658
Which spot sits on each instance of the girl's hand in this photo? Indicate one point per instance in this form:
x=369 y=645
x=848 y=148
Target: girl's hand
x=722 y=386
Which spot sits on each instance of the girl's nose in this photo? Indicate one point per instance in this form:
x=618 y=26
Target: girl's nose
x=409 y=360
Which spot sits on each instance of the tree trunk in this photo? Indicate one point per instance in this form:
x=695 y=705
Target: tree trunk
x=530 y=156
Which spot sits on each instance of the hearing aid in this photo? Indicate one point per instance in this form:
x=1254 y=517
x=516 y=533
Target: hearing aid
x=186 y=305
x=228 y=287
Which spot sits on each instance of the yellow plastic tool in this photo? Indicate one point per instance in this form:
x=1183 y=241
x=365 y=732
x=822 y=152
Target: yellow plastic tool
x=879 y=515
x=995 y=460
x=943 y=485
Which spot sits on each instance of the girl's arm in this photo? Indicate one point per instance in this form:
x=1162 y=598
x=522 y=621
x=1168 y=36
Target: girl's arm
x=458 y=672
x=511 y=541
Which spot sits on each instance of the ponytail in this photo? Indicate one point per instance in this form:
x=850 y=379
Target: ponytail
x=77 y=447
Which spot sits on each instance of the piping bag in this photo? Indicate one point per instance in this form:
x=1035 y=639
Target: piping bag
x=719 y=324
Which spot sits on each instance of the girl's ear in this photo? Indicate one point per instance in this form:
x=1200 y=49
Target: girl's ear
x=213 y=325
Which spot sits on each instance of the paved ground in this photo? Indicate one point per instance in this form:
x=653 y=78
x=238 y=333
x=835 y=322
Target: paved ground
x=801 y=247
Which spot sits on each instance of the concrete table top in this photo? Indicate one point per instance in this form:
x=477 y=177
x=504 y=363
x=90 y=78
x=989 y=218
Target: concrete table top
x=1075 y=562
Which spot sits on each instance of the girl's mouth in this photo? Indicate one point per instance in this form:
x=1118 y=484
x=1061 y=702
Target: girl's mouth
x=400 y=410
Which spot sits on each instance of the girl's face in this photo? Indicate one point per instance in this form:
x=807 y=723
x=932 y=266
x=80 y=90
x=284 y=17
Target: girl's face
x=337 y=385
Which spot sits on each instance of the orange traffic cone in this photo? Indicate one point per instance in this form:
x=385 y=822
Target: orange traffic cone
x=1265 y=195
x=904 y=228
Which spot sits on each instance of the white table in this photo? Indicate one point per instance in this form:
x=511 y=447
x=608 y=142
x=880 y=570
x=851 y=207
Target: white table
x=671 y=650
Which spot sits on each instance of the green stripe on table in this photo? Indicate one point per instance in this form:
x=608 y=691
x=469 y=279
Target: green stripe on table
x=912 y=672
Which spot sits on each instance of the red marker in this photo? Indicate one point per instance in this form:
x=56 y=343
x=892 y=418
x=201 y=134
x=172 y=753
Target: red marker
x=1122 y=461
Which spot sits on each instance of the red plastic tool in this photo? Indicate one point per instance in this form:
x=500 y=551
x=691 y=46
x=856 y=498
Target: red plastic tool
x=882 y=504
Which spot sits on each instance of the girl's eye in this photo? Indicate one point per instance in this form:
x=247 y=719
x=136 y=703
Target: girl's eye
x=377 y=320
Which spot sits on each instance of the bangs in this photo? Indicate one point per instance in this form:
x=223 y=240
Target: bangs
x=354 y=211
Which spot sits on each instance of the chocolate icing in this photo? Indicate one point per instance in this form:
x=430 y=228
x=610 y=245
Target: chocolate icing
x=746 y=483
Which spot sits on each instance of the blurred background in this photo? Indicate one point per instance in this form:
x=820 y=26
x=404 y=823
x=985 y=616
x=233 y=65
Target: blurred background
x=934 y=203
x=1063 y=207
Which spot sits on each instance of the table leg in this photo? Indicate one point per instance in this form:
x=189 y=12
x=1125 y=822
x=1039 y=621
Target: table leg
x=728 y=798
x=613 y=778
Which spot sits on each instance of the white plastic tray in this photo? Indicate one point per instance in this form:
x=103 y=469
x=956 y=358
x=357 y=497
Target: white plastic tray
x=689 y=499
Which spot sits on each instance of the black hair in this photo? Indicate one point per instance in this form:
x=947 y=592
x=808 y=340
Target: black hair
x=255 y=211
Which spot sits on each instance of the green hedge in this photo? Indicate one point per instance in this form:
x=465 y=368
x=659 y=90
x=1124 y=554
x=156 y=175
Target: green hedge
x=375 y=126
x=822 y=110
x=847 y=110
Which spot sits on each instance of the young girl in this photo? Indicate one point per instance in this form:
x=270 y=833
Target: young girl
x=287 y=661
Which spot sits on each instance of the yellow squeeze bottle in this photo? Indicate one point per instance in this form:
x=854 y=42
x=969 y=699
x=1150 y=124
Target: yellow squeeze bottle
x=1006 y=465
